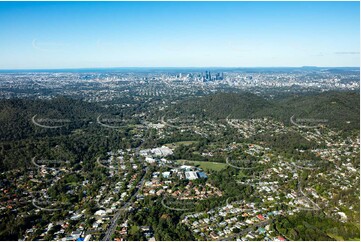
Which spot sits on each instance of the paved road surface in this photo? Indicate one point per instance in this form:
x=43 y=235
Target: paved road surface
x=114 y=220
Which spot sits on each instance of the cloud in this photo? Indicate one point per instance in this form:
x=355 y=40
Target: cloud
x=348 y=53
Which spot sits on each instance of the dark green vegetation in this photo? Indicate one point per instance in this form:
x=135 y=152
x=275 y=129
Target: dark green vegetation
x=82 y=140
x=165 y=223
x=80 y=136
x=16 y=116
x=337 y=108
x=20 y=139
x=316 y=226
x=221 y=105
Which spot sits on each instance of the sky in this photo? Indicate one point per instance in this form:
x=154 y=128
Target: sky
x=47 y=35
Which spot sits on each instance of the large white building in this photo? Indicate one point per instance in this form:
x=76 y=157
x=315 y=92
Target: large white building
x=191 y=175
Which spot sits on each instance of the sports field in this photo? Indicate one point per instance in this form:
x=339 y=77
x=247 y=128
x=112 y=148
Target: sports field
x=205 y=165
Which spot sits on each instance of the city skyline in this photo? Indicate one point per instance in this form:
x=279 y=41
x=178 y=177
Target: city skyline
x=73 y=35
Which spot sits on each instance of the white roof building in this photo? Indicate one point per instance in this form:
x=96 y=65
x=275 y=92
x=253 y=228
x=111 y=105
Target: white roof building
x=191 y=175
x=100 y=212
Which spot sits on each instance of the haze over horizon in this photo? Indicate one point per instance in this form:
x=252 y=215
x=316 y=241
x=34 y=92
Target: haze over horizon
x=169 y=67
x=77 y=35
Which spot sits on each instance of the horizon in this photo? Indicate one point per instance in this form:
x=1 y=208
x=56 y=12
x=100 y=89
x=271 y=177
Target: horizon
x=178 y=67
x=76 y=35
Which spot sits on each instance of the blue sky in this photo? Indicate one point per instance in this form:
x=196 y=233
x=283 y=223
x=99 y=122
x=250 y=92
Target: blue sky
x=178 y=34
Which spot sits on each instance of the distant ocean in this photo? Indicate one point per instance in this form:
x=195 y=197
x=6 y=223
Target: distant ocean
x=179 y=69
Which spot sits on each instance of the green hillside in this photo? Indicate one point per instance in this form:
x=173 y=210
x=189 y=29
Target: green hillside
x=340 y=109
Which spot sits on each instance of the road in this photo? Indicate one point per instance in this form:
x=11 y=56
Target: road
x=241 y=168
x=114 y=220
x=175 y=126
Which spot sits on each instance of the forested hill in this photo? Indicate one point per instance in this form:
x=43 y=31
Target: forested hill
x=16 y=116
x=220 y=105
x=340 y=109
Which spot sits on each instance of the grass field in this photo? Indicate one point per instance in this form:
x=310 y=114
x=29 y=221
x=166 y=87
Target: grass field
x=176 y=144
x=205 y=165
